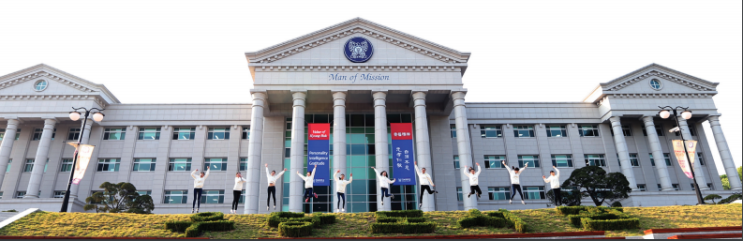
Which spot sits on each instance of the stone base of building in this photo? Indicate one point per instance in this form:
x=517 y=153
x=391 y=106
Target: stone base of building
x=44 y=204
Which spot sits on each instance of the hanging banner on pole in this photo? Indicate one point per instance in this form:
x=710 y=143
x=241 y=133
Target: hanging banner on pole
x=691 y=147
x=84 y=153
x=318 y=152
x=678 y=150
x=403 y=157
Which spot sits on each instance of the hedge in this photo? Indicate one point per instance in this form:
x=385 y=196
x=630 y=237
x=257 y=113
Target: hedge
x=178 y=226
x=399 y=219
x=476 y=218
x=192 y=232
x=275 y=218
x=295 y=229
x=615 y=224
x=207 y=216
x=497 y=214
x=323 y=219
x=219 y=225
x=424 y=227
x=515 y=221
x=571 y=210
x=400 y=213
x=576 y=219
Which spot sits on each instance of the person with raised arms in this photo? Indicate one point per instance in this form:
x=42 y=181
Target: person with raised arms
x=426 y=183
x=198 y=185
x=473 y=176
x=340 y=189
x=237 y=191
x=272 y=178
x=515 y=184
x=384 y=184
x=308 y=184
x=554 y=181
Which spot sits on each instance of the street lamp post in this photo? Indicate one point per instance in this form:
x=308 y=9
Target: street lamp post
x=665 y=113
x=74 y=116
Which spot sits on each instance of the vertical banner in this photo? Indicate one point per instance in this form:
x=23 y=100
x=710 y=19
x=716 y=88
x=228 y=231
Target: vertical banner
x=403 y=157
x=84 y=152
x=318 y=152
x=678 y=150
x=691 y=147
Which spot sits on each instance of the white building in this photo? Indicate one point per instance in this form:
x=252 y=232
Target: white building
x=316 y=78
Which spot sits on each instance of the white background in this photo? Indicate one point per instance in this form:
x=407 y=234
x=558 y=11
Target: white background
x=193 y=51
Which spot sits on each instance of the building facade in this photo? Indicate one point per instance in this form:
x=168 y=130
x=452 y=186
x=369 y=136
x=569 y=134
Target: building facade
x=358 y=76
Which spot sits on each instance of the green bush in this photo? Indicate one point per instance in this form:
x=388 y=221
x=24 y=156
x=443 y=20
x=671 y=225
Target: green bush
x=615 y=224
x=576 y=219
x=192 y=231
x=497 y=214
x=295 y=229
x=730 y=198
x=616 y=204
x=178 y=226
x=570 y=210
x=275 y=218
x=400 y=213
x=400 y=220
x=476 y=218
x=424 y=227
x=207 y=216
x=324 y=218
x=219 y=225
x=515 y=221
x=618 y=209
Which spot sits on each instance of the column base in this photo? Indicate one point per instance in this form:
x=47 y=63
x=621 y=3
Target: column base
x=668 y=189
x=30 y=196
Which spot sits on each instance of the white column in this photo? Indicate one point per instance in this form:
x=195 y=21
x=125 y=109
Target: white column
x=85 y=140
x=423 y=145
x=253 y=175
x=42 y=153
x=339 y=139
x=698 y=171
x=621 y=146
x=380 y=143
x=463 y=146
x=7 y=146
x=655 y=148
x=722 y=147
x=297 y=152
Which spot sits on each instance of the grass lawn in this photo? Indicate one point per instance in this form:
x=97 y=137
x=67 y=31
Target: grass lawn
x=356 y=224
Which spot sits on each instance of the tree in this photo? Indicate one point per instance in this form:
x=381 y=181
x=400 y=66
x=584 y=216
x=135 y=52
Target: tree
x=569 y=198
x=595 y=183
x=119 y=198
x=712 y=198
x=725 y=182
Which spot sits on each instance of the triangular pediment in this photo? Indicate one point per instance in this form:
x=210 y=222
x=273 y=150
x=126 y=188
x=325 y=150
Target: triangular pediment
x=671 y=80
x=59 y=83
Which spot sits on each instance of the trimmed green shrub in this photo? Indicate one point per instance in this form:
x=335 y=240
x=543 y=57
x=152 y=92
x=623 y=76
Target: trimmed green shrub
x=570 y=210
x=576 y=219
x=192 y=232
x=400 y=213
x=730 y=198
x=275 y=218
x=618 y=209
x=295 y=229
x=219 y=225
x=207 y=216
x=616 y=204
x=400 y=220
x=476 y=218
x=424 y=227
x=324 y=218
x=615 y=224
x=178 y=226
x=515 y=221
x=497 y=214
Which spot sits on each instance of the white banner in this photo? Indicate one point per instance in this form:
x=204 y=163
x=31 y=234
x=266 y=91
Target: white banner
x=691 y=148
x=678 y=150
x=84 y=152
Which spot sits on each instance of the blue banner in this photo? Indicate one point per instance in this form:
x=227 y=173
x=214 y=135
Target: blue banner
x=403 y=157
x=318 y=152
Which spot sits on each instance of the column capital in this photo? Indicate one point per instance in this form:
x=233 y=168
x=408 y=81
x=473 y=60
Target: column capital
x=420 y=94
x=458 y=94
x=540 y=125
x=298 y=98
x=615 y=119
x=648 y=119
x=13 y=120
x=339 y=95
x=50 y=121
x=379 y=95
x=714 y=119
x=573 y=125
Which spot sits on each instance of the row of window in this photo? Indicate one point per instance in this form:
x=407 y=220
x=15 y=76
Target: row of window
x=494 y=161
x=183 y=133
x=524 y=131
x=140 y=164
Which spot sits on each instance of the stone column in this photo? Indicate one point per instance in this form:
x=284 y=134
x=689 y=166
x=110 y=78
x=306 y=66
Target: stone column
x=655 y=148
x=463 y=146
x=42 y=153
x=380 y=143
x=339 y=138
x=253 y=175
x=7 y=146
x=727 y=158
x=698 y=171
x=297 y=152
x=621 y=146
x=85 y=131
x=423 y=145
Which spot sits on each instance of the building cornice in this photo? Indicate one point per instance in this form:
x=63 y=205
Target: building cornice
x=96 y=98
x=46 y=71
x=355 y=68
x=655 y=73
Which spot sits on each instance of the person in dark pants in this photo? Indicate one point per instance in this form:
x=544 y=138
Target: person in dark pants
x=554 y=181
x=237 y=191
x=473 y=178
x=384 y=184
x=426 y=183
x=515 y=184
x=340 y=189
x=198 y=184
x=308 y=184
x=272 y=178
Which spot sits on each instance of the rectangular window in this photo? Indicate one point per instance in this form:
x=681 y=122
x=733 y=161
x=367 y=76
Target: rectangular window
x=490 y=131
x=1 y=195
x=557 y=131
x=184 y=133
x=20 y=194
x=66 y=165
x=212 y=196
x=460 y=197
x=709 y=185
x=595 y=160
x=456 y=162
x=658 y=131
x=676 y=187
x=588 y=130
x=243 y=164
x=29 y=167
x=453 y=129
x=175 y=196
x=114 y=133
x=218 y=133
x=532 y=160
x=692 y=186
x=700 y=156
x=74 y=134
x=144 y=164
x=108 y=165
x=493 y=162
x=633 y=160
x=642 y=187
x=667 y=158
x=626 y=130
x=659 y=187
x=693 y=131
x=523 y=131
x=144 y=192
x=246 y=132
x=58 y=194
x=46 y=164
x=562 y=160
x=534 y=193
x=7 y=169
x=499 y=193
x=179 y=165
x=216 y=164
x=242 y=197
x=149 y=133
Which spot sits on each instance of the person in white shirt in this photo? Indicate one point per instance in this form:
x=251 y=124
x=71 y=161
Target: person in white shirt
x=272 y=178
x=515 y=184
x=198 y=184
x=308 y=184
x=554 y=181
x=473 y=176
x=237 y=191
x=340 y=189
x=384 y=184
x=426 y=183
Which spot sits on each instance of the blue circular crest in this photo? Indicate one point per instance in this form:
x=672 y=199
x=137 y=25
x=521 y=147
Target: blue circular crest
x=358 y=49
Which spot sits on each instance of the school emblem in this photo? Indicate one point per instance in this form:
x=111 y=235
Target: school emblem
x=358 y=50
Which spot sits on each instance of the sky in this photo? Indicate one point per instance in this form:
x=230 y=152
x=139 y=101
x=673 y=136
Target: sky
x=522 y=51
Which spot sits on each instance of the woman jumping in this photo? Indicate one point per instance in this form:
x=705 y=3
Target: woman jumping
x=272 y=178
x=340 y=189
x=384 y=184
x=474 y=187
x=308 y=184
x=237 y=191
x=198 y=184
x=515 y=186
x=426 y=183
x=554 y=181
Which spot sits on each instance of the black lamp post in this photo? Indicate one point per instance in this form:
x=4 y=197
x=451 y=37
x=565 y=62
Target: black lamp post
x=665 y=113
x=74 y=116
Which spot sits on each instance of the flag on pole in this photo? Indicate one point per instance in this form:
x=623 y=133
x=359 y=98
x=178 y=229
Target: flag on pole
x=84 y=153
x=678 y=150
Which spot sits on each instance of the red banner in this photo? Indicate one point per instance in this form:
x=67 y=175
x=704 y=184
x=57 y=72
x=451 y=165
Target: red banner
x=401 y=131
x=318 y=131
